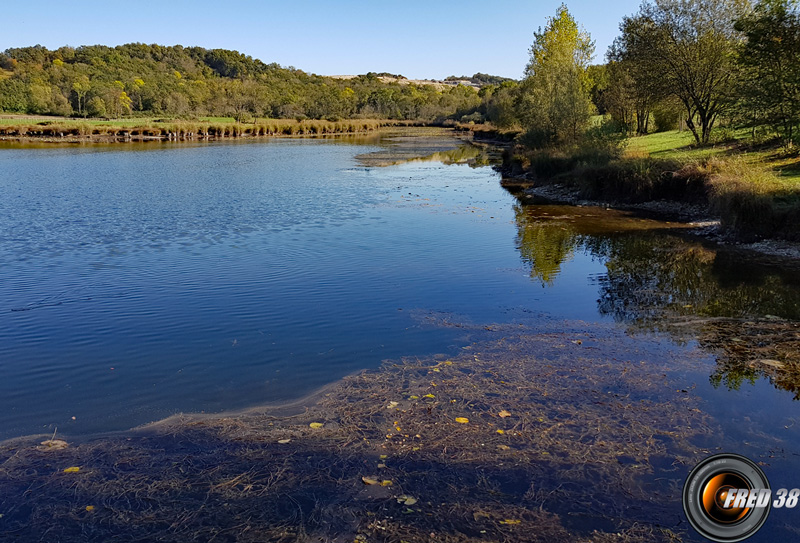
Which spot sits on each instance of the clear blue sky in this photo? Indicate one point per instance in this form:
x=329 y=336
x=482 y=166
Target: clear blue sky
x=419 y=39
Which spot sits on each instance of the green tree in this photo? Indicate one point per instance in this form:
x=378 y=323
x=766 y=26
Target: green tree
x=501 y=104
x=554 y=101
x=96 y=107
x=689 y=46
x=770 y=58
x=81 y=86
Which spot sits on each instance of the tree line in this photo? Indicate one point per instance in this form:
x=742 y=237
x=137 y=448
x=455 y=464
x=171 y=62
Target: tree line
x=694 y=63
x=148 y=80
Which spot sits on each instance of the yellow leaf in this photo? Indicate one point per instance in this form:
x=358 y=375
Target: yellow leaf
x=90 y=508
x=316 y=425
x=73 y=469
x=503 y=414
x=383 y=456
x=369 y=481
x=429 y=396
x=413 y=397
x=284 y=441
x=510 y=521
x=408 y=500
x=386 y=482
x=462 y=420
x=501 y=432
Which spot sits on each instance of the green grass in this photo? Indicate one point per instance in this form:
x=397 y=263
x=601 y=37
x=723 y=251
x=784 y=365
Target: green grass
x=675 y=145
x=662 y=144
x=681 y=145
x=754 y=188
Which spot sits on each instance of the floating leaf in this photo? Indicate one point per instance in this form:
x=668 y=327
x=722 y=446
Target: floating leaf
x=383 y=456
x=316 y=425
x=408 y=500
x=90 y=508
x=429 y=396
x=501 y=432
x=392 y=405
x=510 y=521
x=380 y=466
x=503 y=447
x=284 y=441
x=503 y=414
x=386 y=482
x=369 y=481
x=73 y=469
x=413 y=397
x=53 y=444
x=462 y=420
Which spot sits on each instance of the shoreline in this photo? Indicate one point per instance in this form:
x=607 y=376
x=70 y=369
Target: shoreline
x=72 y=131
x=702 y=222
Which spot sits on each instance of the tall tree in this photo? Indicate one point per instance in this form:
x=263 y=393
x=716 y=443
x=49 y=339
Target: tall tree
x=770 y=58
x=690 y=46
x=81 y=86
x=554 y=97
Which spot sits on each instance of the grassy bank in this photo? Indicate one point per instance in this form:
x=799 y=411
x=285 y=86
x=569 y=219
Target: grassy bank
x=753 y=187
x=65 y=129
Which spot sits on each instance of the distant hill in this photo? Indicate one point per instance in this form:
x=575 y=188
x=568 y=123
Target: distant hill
x=436 y=83
x=140 y=79
x=479 y=79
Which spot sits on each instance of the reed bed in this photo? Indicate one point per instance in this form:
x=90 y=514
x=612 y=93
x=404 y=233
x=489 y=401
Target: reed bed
x=72 y=130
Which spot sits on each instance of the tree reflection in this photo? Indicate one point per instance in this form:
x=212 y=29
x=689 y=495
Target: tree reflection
x=545 y=243
x=744 y=310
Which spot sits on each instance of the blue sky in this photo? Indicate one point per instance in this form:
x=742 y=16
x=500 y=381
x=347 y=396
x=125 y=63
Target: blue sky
x=419 y=39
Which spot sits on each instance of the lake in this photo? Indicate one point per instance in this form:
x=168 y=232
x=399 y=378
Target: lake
x=143 y=280
x=140 y=281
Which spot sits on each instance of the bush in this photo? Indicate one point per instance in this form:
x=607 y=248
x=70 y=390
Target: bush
x=472 y=118
x=666 y=118
x=96 y=107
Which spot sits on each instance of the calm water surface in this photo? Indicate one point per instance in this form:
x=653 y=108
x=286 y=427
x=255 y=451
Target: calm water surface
x=141 y=281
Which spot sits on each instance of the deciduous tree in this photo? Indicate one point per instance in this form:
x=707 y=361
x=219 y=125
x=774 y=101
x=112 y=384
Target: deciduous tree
x=554 y=97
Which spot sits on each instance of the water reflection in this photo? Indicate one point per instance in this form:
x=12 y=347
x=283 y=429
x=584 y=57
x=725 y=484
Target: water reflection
x=729 y=302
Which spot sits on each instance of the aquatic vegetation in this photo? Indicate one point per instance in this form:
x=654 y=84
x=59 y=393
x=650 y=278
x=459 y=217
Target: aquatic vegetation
x=523 y=436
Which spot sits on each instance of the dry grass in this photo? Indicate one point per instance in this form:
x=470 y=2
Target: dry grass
x=754 y=200
x=529 y=436
x=67 y=130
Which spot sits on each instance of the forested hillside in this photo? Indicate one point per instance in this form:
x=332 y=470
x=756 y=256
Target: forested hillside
x=139 y=79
